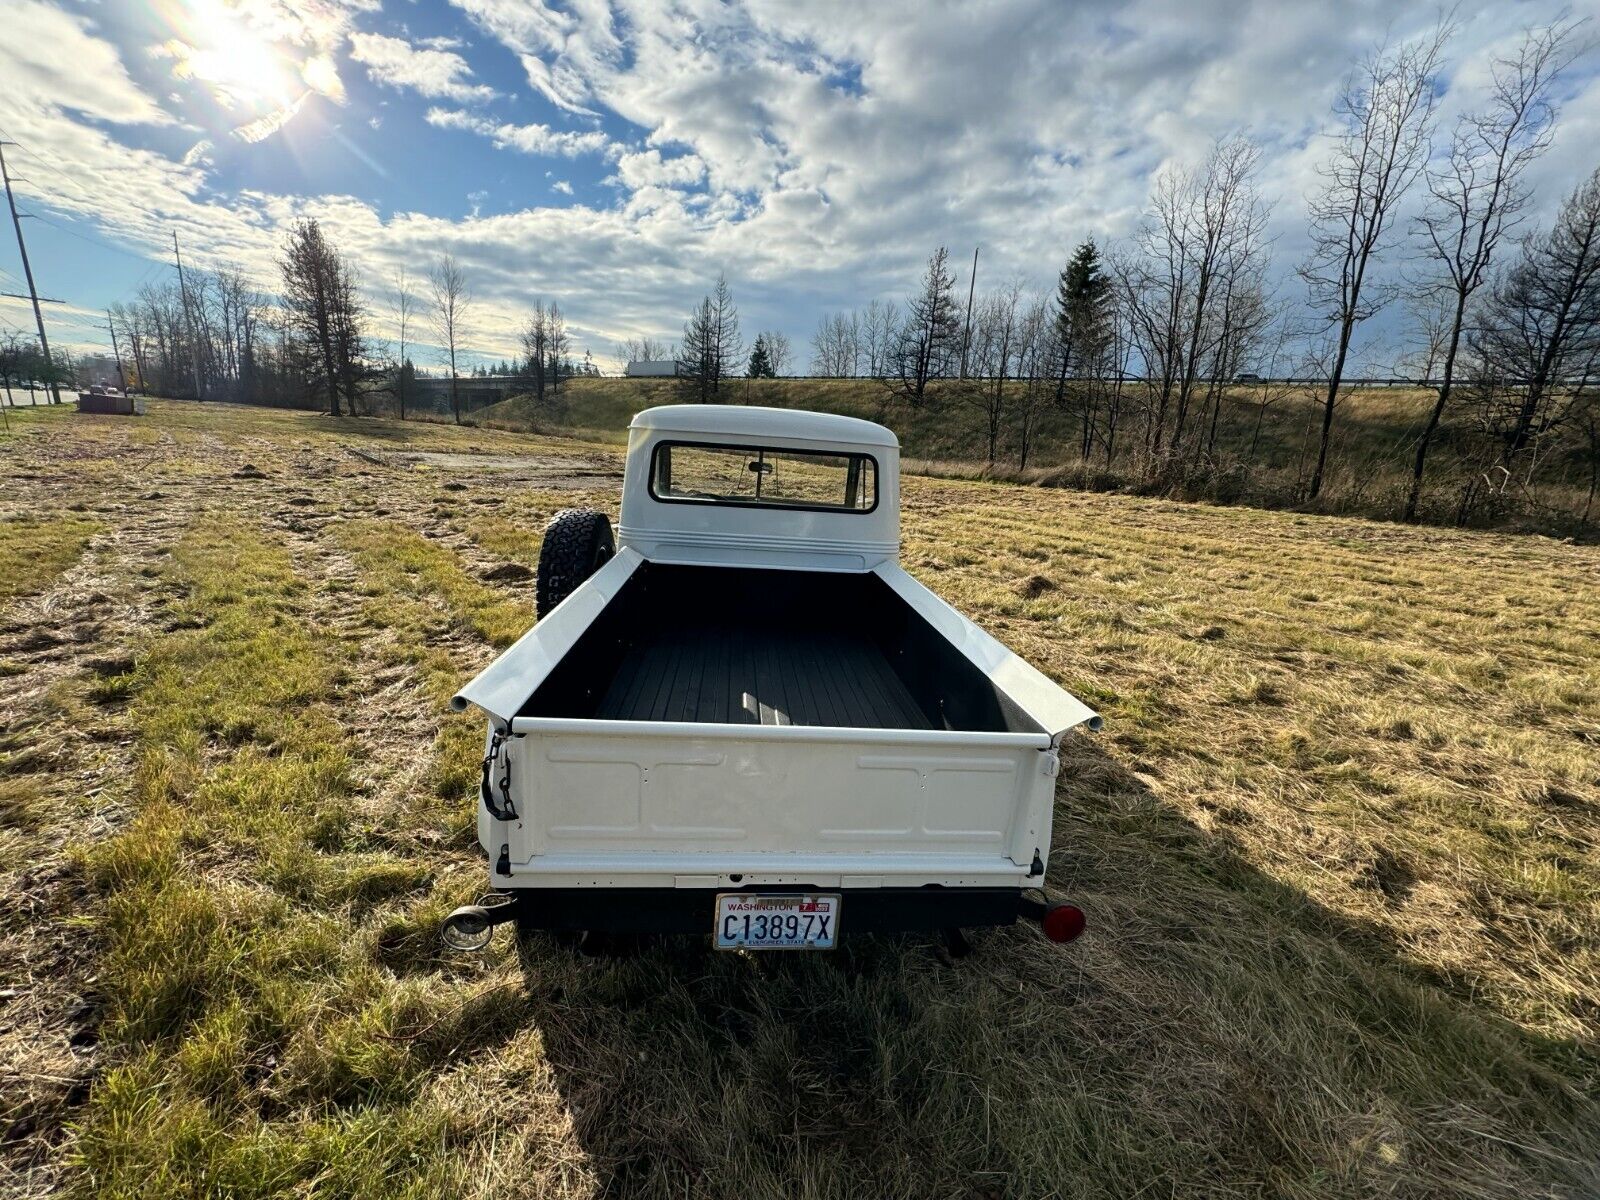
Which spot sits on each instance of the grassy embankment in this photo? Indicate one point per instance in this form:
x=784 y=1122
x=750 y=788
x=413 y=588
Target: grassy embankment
x=1266 y=444
x=1338 y=846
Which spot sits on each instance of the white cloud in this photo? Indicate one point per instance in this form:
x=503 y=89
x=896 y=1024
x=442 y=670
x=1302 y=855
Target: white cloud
x=533 y=30
x=562 y=186
x=527 y=139
x=432 y=72
x=648 y=169
x=815 y=151
x=50 y=53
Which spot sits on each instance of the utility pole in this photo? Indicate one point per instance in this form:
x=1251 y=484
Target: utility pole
x=972 y=287
x=117 y=350
x=194 y=342
x=27 y=270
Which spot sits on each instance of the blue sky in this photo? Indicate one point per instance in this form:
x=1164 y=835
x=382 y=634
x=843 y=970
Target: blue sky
x=616 y=155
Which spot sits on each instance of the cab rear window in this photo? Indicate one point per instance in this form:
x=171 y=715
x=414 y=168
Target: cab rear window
x=763 y=477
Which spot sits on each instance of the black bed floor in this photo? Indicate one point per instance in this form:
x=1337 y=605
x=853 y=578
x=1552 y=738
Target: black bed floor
x=750 y=677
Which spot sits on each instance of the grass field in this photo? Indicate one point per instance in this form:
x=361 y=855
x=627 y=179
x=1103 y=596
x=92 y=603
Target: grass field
x=1337 y=843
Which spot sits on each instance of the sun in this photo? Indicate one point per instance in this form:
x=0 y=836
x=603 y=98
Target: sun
x=240 y=67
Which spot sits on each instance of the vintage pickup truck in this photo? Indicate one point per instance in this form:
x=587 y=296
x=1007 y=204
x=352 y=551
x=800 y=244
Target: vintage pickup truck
x=743 y=719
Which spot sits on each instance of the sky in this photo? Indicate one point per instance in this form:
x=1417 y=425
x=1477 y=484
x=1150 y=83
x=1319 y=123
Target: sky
x=616 y=155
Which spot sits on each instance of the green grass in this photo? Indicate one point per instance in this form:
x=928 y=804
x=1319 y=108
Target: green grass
x=1336 y=844
x=248 y=1008
x=34 y=550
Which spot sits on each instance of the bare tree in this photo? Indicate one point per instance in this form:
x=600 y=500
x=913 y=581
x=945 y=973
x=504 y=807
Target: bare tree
x=1386 y=113
x=879 y=325
x=402 y=305
x=1154 y=280
x=130 y=319
x=991 y=355
x=1223 y=221
x=1034 y=362
x=536 y=349
x=451 y=301
x=643 y=349
x=560 y=345
x=1477 y=196
x=1538 y=341
x=836 y=346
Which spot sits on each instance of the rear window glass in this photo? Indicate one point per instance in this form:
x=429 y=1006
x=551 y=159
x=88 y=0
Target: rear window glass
x=763 y=477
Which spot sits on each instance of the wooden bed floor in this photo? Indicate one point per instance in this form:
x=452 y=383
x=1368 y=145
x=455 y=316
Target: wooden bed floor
x=758 y=677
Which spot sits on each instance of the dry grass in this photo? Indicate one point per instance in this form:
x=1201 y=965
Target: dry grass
x=1337 y=843
x=1263 y=455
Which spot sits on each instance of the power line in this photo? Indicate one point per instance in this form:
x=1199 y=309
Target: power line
x=85 y=237
x=70 y=232
x=47 y=165
x=27 y=269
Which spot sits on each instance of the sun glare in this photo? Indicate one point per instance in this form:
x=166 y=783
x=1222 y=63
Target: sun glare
x=238 y=65
x=243 y=68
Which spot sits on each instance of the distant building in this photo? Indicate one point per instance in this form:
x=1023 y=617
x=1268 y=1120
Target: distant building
x=651 y=368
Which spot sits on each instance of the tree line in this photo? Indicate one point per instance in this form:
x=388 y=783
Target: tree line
x=1141 y=345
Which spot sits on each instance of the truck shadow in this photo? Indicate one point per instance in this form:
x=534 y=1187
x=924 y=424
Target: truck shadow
x=1215 y=1029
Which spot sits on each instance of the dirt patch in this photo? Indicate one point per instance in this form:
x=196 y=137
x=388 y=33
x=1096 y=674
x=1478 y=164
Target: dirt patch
x=540 y=470
x=67 y=760
x=1033 y=586
x=507 y=573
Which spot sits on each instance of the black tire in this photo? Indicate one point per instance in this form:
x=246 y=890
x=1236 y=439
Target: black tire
x=577 y=543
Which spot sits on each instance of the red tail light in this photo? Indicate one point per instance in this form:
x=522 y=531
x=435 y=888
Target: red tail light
x=1063 y=922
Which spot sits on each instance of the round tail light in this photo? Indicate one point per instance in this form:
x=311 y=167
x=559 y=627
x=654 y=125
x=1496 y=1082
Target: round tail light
x=1063 y=922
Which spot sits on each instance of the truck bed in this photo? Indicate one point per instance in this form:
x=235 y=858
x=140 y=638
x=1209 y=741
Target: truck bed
x=756 y=676
x=742 y=646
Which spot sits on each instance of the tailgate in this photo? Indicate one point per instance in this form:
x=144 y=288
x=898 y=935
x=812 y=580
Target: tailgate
x=654 y=804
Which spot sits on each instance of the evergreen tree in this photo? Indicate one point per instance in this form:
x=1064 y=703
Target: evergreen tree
x=760 y=361
x=1082 y=294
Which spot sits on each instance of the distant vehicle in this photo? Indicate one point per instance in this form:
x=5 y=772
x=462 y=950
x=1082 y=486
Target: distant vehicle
x=1247 y=377
x=97 y=389
x=747 y=721
x=651 y=368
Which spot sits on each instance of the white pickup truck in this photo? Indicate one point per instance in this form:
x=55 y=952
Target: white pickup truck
x=743 y=719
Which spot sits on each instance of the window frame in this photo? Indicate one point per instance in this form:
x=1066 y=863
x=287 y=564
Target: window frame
x=767 y=505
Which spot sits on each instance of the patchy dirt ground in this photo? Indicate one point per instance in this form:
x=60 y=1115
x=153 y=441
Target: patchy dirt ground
x=1338 y=845
x=537 y=470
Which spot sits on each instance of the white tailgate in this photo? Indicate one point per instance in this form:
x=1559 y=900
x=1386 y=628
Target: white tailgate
x=608 y=802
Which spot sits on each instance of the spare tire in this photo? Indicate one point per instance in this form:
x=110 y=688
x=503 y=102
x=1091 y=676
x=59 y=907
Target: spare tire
x=577 y=543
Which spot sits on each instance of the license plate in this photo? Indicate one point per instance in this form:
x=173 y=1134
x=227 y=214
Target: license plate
x=800 y=922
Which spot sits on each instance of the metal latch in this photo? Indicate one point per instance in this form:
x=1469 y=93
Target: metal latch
x=486 y=789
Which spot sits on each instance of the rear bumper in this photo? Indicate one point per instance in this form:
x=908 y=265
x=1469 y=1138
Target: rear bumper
x=692 y=910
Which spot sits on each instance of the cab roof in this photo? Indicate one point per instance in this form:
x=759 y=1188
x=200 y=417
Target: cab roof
x=748 y=421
